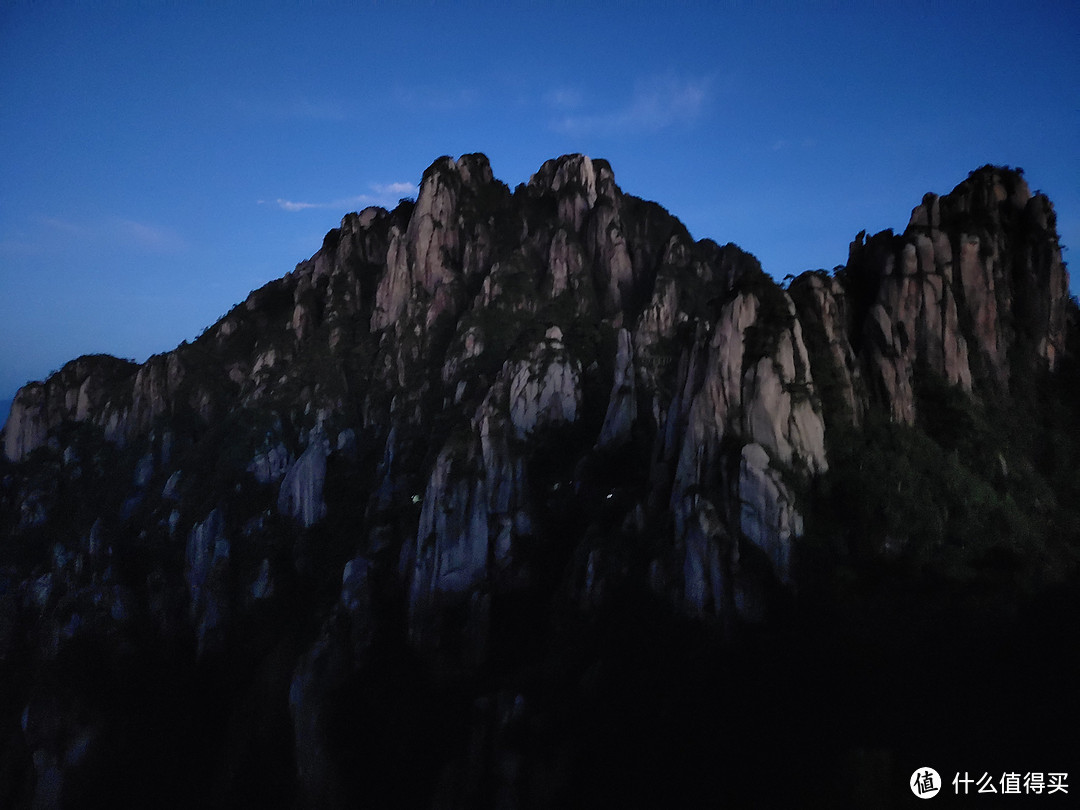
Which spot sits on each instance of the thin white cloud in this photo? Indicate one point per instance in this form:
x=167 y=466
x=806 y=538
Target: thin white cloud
x=116 y=232
x=148 y=237
x=348 y=202
x=67 y=227
x=386 y=195
x=390 y=189
x=656 y=104
x=289 y=205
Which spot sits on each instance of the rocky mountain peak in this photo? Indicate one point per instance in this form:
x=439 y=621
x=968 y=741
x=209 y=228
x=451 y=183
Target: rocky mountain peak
x=470 y=431
x=974 y=289
x=570 y=172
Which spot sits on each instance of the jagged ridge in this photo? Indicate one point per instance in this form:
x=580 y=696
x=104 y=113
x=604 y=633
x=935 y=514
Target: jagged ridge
x=493 y=397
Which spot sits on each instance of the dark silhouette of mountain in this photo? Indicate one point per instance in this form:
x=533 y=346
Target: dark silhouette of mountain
x=527 y=499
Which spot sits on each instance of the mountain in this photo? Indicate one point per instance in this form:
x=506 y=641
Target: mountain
x=526 y=498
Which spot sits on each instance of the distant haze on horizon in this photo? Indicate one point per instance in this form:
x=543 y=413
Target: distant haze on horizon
x=158 y=163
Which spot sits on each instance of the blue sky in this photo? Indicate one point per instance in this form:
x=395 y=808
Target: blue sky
x=160 y=160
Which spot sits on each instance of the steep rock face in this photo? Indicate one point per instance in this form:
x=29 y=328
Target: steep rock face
x=973 y=291
x=503 y=471
x=452 y=538
x=468 y=418
x=914 y=319
x=207 y=567
x=768 y=517
x=574 y=180
x=622 y=404
x=748 y=386
x=976 y=274
x=477 y=506
x=427 y=261
x=710 y=562
x=567 y=272
x=544 y=389
x=1010 y=268
x=156 y=385
x=823 y=313
x=81 y=390
x=271 y=464
x=589 y=205
x=301 y=493
x=778 y=409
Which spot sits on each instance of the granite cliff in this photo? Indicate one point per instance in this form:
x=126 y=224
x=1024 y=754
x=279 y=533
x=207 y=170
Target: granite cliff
x=409 y=524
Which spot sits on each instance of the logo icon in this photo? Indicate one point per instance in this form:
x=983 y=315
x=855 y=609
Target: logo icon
x=925 y=783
